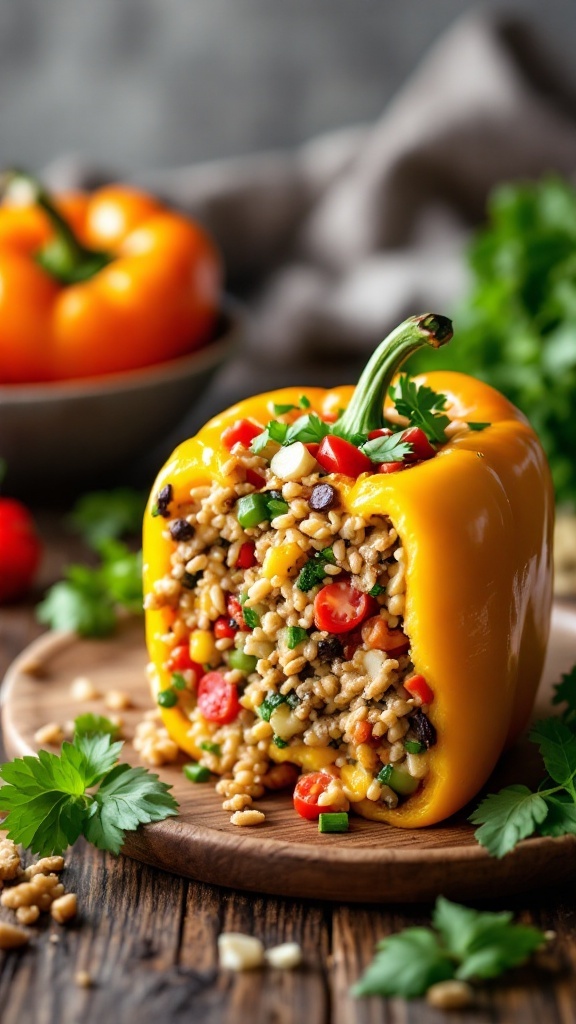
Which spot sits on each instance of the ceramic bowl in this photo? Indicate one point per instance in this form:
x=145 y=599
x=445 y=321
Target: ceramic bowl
x=80 y=431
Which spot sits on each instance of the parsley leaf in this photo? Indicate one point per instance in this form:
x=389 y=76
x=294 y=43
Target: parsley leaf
x=295 y=635
x=274 y=431
x=308 y=428
x=387 y=449
x=49 y=805
x=313 y=571
x=406 y=965
x=565 y=693
x=507 y=817
x=558 y=748
x=89 y=724
x=463 y=943
x=422 y=406
x=561 y=817
x=108 y=515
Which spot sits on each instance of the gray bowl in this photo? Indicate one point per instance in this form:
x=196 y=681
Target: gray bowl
x=76 y=432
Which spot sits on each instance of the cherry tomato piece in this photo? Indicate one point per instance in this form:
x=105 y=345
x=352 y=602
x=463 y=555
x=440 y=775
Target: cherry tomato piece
x=255 y=479
x=362 y=733
x=336 y=455
x=312 y=447
x=234 y=611
x=217 y=699
x=180 y=661
x=418 y=687
x=20 y=549
x=378 y=636
x=339 y=607
x=391 y=467
x=421 y=447
x=225 y=629
x=308 y=789
x=246 y=555
x=241 y=432
x=380 y=432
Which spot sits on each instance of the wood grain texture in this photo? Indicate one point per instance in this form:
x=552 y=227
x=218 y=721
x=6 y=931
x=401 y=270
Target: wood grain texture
x=148 y=939
x=285 y=855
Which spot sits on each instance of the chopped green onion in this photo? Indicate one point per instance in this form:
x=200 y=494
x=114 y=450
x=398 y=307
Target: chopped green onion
x=277 y=507
x=295 y=635
x=384 y=774
x=333 y=821
x=279 y=409
x=178 y=681
x=251 y=510
x=195 y=772
x=279 y=742
x=167 y=698
x=377 y=589
x=243 y=662
x=211 y=748
x=413 y=746
x=269 y=705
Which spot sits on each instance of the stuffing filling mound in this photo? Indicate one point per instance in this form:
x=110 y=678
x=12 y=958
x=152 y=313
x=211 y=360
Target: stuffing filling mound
x=287 y=648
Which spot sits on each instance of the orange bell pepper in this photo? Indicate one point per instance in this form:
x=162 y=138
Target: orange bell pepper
x=95 y=284
x=475 y=523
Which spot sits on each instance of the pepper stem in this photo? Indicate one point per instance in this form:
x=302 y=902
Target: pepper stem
x=63 y=257
x=366 y=409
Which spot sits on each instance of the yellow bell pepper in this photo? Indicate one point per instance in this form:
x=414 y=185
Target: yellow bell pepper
x=475 y=523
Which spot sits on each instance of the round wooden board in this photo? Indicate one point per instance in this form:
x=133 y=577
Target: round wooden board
x=286 y=855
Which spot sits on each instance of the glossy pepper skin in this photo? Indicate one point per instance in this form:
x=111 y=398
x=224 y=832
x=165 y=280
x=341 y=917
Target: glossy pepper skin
x=100 y=283
x=476 y=525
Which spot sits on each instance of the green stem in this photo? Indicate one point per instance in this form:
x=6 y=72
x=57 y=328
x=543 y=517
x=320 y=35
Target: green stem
x=366 y=410
x=63 y=257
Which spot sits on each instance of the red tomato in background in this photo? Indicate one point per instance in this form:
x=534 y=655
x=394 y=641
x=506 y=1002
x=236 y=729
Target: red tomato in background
x=217 y=699
x=20 y=549
x=308 y=789
x=339 y=607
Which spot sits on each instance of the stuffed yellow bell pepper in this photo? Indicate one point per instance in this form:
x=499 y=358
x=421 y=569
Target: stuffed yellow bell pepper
x=348 y=592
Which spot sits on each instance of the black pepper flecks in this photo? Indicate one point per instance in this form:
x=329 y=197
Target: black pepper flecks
x=330 y=649
x=422 y=726
x=323 y=497
x=180 y=529
x=163 y=499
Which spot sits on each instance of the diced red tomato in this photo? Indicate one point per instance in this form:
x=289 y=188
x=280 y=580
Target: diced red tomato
x=421 y=447
x=418 y=687
x=380 y=432
x=312 y=447
x=180 y=661
x=336 y=455
x=378 y=636
x=391 y=467
x=217 y=699
x=246 y=555
x=308 y=789
x=225 y=629
x=241 y=432
x=339 y=607
x=362 y=733
x=255 y=479
x=234 y=610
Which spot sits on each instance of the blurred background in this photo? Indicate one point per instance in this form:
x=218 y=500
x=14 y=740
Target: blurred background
x=139 y=84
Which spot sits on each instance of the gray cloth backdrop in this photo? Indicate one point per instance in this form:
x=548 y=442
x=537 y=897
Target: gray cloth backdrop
x=331 y=245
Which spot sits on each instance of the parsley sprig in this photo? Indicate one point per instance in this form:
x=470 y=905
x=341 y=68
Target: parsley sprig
x=51 y=800
x=517 y=812
x=462 y=943
x=422 y=406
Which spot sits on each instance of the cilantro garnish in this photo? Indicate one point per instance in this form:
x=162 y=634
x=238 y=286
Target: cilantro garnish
x=269 y=705
x=517 y=812
x=422 y=406
x=49 y=804
x=307 y=429
x=279 y=409
x=295 y=635
x=313 y=571
x=462 y=943
x=387 y=449
x=89 y=725
x=108 y=515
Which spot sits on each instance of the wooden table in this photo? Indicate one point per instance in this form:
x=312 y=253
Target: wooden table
x=148 y=939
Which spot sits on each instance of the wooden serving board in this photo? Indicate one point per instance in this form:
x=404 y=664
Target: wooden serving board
x=286 y=855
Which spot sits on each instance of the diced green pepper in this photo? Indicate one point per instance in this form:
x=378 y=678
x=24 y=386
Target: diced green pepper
x=251 y=510
x=384 y=774
x=243 y=662
x=167 y=698
x=413 y=746
x=211 y=748
x=402 y=783
x=295 y=635
x=333 y=821
x=195 y=772
x=178 y=681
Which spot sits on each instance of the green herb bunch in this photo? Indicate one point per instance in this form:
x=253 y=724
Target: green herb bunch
x=517 y=812
x=517 y=327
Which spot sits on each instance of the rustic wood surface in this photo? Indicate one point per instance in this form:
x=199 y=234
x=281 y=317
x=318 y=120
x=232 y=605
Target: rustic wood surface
x=285 y=856
x=148 y=940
